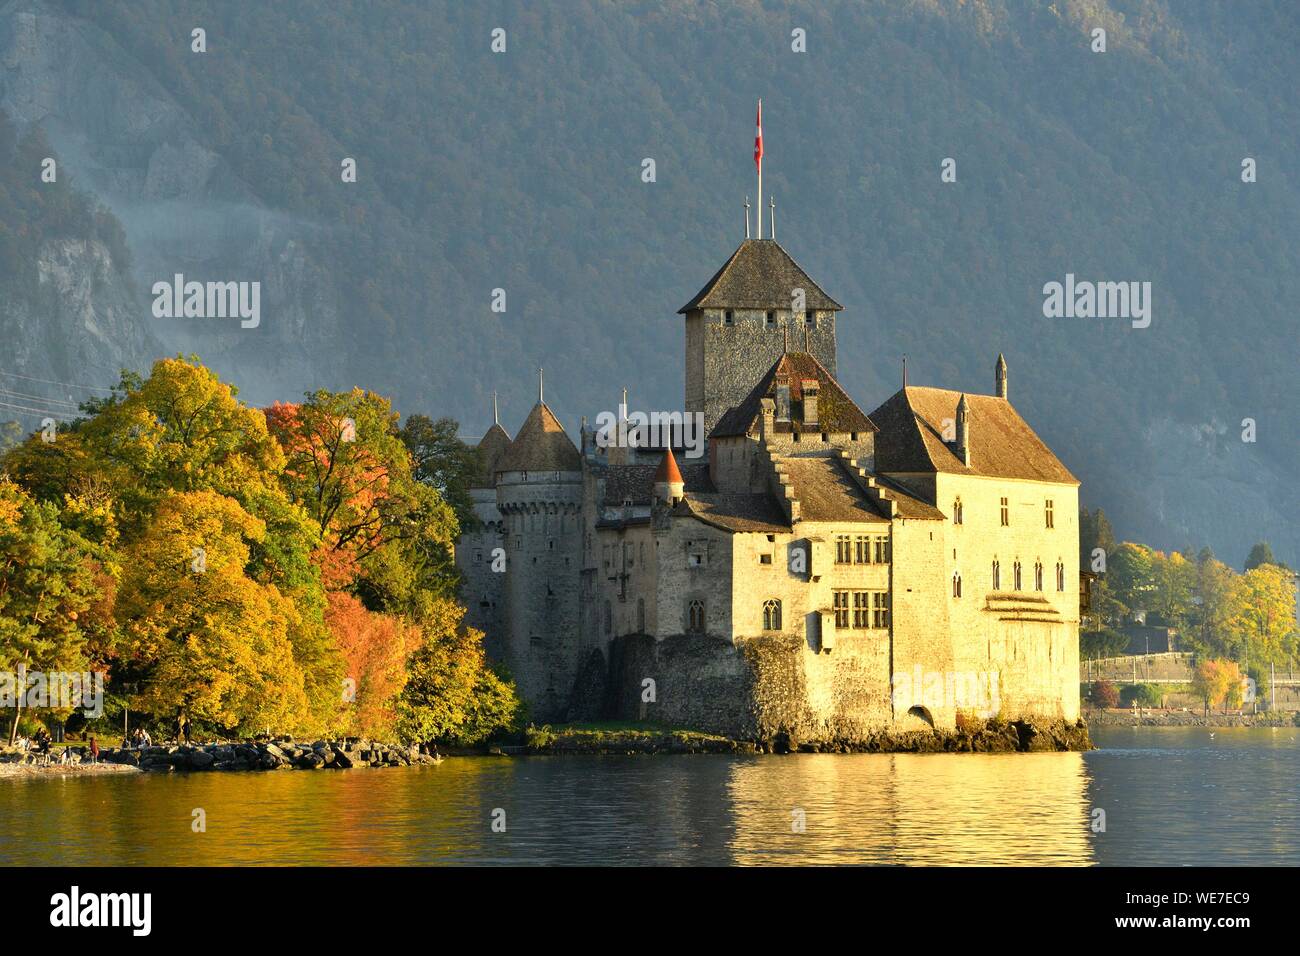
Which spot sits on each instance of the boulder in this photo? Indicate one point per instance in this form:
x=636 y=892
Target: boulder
x=200 y=760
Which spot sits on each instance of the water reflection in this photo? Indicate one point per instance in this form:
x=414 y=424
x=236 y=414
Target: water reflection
x=1170 y=797
x=914 y=809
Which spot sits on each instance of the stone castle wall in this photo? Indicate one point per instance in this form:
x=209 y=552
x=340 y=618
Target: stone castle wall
x=725 y=362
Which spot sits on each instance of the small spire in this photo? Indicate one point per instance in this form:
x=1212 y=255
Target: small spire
x=904 y=371
x=771 y=219
x=746 y=217
x=496 y=419
x=541 y=400
x=1000 y=377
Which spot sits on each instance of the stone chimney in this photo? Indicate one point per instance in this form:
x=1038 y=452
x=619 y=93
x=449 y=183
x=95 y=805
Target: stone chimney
x=767 y=430
x=810 y=387
x=1000 y=377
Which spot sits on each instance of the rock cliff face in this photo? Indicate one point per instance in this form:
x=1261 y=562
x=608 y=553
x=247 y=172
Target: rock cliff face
x=122 y=138
x=80 y=322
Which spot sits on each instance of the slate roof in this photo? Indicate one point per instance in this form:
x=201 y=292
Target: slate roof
x=636 y=483
x=759 y=275
x=541 y=445
x=491 y=448
x=731 y=512
x=1002 y=444
x=827 y=492
x=836 y=412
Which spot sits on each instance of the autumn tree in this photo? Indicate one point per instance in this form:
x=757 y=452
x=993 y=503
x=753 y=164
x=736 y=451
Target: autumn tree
x=204 y=636
x=374 y=647
x=1217 y=682
x=452 y=694
x=380 y=532
x=47 y=581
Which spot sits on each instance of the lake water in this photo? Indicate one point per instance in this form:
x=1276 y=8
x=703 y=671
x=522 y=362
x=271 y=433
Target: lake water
x=1171 y=796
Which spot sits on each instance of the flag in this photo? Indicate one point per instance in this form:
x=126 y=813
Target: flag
x=758 y=140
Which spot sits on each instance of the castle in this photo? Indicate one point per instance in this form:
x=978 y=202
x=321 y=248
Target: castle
x=821 y=571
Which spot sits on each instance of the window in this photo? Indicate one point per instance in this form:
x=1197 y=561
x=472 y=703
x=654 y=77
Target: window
x=841 y=600
x=697 y=554
x=861 y=609
x=640 y=615
x=843 y=549
x=956 y=512
x=770 y=320
x=997 y=575
x=1038 y=575
x=882 y=550
x=1006 y=514
x=862 y=550
x=956 y=584
x=609 y=618
x=765 y=557
x=810 y=320
x=1016 y=576
x=1048 y=513
x=772 y=615
x=478 y=557
x=880 y=609
x=695 y=617
x=1060 y=576
x=728 y=318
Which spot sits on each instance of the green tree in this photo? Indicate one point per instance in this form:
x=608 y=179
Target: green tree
x=1261 y=553
x=444 y=462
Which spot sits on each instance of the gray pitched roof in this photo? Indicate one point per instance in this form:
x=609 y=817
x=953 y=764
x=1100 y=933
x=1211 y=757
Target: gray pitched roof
x=1002 y=445
x=836 y=412
x=759 y=275
x=635 y=483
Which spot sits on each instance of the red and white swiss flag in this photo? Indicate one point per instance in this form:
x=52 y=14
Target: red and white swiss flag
x=758 y=140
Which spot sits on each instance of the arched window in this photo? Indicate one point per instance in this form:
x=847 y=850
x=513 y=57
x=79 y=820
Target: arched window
x=1038 y=575
x=956 y=512
x=956 y=584
x=640 y=615
x=772 y=615
x=1016 y=576
x=997 y=575
x=695 y=617
x=1060 y=575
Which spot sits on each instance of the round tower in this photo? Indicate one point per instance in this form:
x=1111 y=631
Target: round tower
x=539 y=495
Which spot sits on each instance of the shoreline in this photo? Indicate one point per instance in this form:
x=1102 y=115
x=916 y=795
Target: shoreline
x=1126 y=718
x=993 y=736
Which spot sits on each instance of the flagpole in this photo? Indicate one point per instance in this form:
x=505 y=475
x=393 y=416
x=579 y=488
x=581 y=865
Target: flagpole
x=760 y=171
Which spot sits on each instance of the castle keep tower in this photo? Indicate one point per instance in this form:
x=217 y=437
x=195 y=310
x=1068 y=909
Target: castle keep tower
x=758 y=306
x=539 y=496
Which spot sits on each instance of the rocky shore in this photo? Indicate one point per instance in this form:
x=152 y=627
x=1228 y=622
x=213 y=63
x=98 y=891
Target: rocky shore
x=994 y=736
x=280 y=754
x=1181 y=718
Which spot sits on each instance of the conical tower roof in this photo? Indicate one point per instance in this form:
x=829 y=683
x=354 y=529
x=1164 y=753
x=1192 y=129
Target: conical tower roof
x=491 y=448
x=541 y=445
x=668 y=472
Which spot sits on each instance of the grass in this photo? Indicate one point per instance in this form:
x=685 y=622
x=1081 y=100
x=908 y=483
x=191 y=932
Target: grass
x=604 y=731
